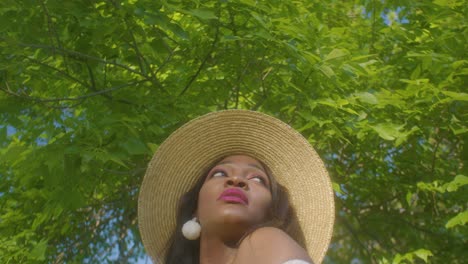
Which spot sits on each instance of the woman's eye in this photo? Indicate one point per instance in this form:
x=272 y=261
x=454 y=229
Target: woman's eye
x=219 y=174
x=258 y=179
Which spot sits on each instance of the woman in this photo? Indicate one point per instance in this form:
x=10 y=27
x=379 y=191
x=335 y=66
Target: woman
x=254 y=187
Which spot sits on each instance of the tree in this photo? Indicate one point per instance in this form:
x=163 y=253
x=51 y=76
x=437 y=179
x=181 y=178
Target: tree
x=89 y=89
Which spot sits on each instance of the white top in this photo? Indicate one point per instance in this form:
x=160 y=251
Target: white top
x=296 y=261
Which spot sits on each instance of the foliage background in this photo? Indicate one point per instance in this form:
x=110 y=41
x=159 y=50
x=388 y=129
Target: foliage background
x=88 y=89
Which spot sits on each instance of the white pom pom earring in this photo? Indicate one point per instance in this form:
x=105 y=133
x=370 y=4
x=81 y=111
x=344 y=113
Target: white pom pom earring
x=191 y=229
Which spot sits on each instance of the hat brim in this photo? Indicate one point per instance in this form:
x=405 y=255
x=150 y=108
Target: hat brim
x=186 y=154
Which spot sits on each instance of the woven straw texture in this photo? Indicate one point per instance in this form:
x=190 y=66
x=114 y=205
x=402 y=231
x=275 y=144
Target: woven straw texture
x=185 y=155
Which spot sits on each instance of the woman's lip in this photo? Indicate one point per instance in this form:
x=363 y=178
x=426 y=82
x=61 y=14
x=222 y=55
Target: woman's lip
x=234 y=195
x=232 y=199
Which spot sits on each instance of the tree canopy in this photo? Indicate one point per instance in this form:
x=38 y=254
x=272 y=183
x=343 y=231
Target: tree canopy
x=89 y=89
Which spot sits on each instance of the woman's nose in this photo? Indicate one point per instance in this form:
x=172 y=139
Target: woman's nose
x=236 y=182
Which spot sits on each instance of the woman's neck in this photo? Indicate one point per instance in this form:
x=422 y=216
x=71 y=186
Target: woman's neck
x=213 y=250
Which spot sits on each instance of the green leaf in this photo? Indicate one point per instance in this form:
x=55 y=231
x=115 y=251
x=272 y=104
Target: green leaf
x=423 y=254
x=388 y=131
x=39 y=250
x=432 y=187
x=310 y=57
x=459 y=219
x=135 y=146
x=417 y=82
x=460 y=180
x=336 y=53
x=456 y=96
x=328 y=102
x=3 y=133
x=203 y=14
x=227 y=38
x=459 y=63
x=367 y=98
x=416 y=73
x=337 y=188
x=153 y=147
x=15 y=153
x=457 y=129
x=404 y=135
x=399 y=258
x=409 y=198
x=109 y=156
x=72 y=163
x=40 y=218
x=327 y=71
x=448 y=3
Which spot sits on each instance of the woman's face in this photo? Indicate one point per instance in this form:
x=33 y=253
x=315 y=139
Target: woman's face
x=235 y=196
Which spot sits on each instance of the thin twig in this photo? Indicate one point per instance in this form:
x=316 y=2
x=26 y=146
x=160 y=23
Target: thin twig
x=208 y=55
x=238 y=85
x=161 y=32
x=68 y=106
x=53 y=31
x=354 y=234
x=374 y=21
x=84 y=56
x=94 y=88
x=93 y=82
x=66 y=74
x=434 y=153
x=86 y=96
x=166 y=61
x=137 y=50
x=142 y=60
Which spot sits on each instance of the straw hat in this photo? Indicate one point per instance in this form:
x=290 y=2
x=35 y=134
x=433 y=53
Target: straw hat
x=186 y=154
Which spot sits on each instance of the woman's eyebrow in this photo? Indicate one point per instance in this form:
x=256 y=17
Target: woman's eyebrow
x=256 y=166
x=250 y=165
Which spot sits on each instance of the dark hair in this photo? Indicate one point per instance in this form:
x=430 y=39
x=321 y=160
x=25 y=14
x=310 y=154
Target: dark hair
x=183 y=251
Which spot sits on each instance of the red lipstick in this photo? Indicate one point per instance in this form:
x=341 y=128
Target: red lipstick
x=234 y=195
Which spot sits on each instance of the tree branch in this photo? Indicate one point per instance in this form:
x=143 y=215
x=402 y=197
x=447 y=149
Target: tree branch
x=166 y=61
x=66 y=74
x=373 y=28
x=141 y=59
x=93 y=82
x=208 y=55
x=434 y=153
x=94 y=87
x=238 y=85
x=53 y=31
x=354 y=234
x=78 y=98
x=83 y=56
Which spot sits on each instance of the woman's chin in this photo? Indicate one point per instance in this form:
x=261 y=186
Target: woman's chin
x=234 y=215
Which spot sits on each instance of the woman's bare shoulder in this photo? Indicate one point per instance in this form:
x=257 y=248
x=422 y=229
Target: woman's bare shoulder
x=269 y=245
